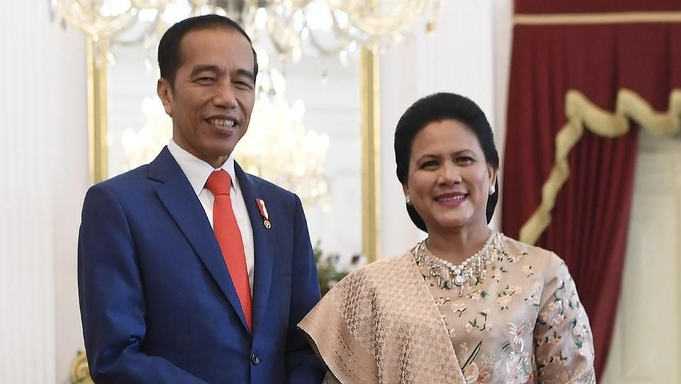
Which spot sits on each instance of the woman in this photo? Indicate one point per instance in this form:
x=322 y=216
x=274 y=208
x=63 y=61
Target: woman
x=467 y=304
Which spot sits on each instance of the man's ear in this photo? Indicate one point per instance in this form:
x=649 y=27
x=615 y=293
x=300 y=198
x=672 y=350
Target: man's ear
x=165 y=93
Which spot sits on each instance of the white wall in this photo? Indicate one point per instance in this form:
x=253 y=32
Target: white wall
x=469 y=55
x=43 y=176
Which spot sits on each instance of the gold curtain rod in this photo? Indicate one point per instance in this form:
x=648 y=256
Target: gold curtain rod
x=597 y=18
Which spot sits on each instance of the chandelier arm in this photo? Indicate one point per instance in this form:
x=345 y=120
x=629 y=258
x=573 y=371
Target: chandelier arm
x=119 y=39
x=93 y=22
x=342 y=42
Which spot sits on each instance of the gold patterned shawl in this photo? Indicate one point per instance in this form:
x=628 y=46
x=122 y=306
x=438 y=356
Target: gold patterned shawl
x=378 y=326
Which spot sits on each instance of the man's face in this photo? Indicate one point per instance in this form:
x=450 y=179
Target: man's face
x=213 y=94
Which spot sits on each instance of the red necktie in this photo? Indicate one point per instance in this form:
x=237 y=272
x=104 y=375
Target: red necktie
x=229 y=238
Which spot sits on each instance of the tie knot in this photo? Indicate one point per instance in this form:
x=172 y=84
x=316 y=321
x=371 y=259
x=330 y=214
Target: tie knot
x=219 y=183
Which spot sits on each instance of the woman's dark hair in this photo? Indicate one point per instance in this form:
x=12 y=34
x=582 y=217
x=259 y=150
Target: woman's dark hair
x=169 y=58
x=439 y=107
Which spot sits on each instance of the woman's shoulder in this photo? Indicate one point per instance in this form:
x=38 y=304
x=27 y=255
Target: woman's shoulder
x=380 y=272
x=517 y=250
x=385 y=263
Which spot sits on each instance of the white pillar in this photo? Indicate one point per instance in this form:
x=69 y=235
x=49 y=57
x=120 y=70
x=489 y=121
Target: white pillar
x=43 y=174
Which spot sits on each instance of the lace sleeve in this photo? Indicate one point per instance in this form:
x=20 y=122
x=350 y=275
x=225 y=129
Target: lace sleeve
x=564 y=350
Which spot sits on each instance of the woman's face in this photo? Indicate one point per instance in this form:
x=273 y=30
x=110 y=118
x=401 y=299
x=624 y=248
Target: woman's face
x=449 y=179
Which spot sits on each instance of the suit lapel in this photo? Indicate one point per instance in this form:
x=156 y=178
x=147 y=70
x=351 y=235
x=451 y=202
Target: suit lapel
x=179 y=198
x=263 y=246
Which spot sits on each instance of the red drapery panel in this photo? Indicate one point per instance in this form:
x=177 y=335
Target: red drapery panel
x=591 y=213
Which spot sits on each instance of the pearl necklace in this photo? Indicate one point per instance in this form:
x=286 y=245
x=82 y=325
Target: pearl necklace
x=471 y=271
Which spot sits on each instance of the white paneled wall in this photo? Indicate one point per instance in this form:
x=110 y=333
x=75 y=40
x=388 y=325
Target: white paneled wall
x=43 y=174
x=468 y=55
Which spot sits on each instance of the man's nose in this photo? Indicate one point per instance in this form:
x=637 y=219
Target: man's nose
x=225 y=96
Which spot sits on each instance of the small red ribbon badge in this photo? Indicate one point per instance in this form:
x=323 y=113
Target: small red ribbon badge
x=263 y=212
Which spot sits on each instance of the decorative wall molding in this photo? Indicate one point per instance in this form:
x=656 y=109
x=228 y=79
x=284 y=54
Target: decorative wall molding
x=80 y=373
x=597 y=18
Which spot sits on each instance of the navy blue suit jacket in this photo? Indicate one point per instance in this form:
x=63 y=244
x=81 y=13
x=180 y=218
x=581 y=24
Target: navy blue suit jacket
x=157 y=302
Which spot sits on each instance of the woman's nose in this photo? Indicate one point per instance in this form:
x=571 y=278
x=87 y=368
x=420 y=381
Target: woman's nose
x=449 y=173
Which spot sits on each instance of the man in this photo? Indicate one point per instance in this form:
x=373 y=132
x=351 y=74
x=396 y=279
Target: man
x=159 y=304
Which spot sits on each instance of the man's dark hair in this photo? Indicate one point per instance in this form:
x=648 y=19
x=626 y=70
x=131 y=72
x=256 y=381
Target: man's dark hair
x=169 y=55
x=439 y=107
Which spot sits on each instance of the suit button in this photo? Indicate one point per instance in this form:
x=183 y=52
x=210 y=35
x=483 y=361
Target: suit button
x=255 y=360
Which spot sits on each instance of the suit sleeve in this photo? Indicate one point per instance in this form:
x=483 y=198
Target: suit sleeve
x=111 y=298
x=302 y=364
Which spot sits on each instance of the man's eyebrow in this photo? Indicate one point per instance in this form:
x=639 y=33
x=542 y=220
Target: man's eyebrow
x=214 y=68
x=246 y=72
x=203 y=67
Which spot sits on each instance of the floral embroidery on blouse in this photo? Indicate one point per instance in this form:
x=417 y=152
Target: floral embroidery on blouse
x=522 y=323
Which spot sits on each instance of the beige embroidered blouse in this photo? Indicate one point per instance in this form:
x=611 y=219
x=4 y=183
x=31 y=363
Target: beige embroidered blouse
x=390 y=322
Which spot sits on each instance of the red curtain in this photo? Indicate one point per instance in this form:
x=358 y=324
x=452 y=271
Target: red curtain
x=598 y=58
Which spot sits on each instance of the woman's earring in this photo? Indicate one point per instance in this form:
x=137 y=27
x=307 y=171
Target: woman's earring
x=491 y=190
x=407 y=199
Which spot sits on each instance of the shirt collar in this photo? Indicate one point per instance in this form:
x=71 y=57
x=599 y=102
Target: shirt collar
x=197 y=170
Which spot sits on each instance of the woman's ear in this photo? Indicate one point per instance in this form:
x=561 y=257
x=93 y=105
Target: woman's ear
x=492 y=171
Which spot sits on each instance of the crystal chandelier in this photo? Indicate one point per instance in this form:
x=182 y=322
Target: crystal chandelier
x=291 y=26
x=295 y=158
x=282 y=31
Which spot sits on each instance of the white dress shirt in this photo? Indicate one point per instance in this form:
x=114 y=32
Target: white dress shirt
x=197 y=171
